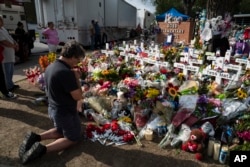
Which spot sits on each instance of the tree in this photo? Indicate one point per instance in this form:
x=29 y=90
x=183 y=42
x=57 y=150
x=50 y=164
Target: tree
x=220 y=7
x=213 y=7
x=188 y=5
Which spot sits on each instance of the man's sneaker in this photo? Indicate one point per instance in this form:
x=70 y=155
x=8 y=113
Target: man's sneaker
x=10 y=95
x=36 y=151
x=28 y=141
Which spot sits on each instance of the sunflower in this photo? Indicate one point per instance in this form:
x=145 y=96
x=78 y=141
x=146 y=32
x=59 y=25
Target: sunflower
x=241 y=93
x=172 y=90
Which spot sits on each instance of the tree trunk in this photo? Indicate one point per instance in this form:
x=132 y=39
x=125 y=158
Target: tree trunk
x=188 y=4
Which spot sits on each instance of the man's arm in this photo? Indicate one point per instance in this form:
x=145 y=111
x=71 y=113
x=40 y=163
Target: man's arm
x=9 y=44
x=77 y=94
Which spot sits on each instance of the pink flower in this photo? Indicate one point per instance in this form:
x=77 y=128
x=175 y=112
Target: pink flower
x=245 y=135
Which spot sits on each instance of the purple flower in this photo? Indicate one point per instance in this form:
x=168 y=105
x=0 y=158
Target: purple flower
x=202 y=99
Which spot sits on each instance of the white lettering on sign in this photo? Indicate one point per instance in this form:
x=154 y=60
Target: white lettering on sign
x=172 y=25
x=212 y=72
x=240 y=158
x=175 y=31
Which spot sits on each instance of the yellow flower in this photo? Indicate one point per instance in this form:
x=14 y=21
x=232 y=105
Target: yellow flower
x=241 y=93
x=125 y=119
x=152 y=93
x=51 y=57
x=180 y=76
x=105 y=72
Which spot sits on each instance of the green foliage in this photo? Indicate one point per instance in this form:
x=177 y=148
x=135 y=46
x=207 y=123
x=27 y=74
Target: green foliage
x=244 y=6
x=243 y=123
x=232 y=6
x=243 y=147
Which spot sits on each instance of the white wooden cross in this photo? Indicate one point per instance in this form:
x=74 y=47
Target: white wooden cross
x=220 y=66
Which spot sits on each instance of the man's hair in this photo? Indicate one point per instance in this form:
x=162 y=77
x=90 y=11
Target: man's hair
x=73 y=49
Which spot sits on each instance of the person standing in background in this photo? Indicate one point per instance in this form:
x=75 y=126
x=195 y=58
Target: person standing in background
x=10 y=46
x=51 y=36
x=22 y=38
x=92 y=34
x=97 y=35
x=3 y=88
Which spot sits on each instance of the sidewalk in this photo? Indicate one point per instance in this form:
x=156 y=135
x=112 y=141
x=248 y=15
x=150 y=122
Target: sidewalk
x=38 y=50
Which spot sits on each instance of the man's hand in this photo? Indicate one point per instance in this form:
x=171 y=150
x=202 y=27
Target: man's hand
x=77 y=72
x=79 y=105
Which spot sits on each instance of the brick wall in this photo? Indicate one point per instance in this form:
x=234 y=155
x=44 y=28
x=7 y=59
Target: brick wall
x=182 y=31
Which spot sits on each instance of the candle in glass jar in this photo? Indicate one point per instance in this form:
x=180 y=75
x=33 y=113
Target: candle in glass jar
x=148 y=134
x=210 y=148
x=217 y=145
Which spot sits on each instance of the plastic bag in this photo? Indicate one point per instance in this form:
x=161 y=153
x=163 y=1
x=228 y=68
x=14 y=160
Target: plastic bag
x=233 y=108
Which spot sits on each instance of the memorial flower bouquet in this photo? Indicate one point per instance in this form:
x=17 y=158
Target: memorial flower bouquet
x=45 y=60
x=106 y=75
x=125 y=71
x=83 y=67
x=171 y=53
x=32 y=74
x=109 y=133
x=242 y=129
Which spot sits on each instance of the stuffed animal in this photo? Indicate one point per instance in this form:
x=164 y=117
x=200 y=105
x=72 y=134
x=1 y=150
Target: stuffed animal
x=195 y=143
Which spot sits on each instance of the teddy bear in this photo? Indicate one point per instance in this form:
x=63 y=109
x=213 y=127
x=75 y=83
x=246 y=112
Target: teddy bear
x=195 y=143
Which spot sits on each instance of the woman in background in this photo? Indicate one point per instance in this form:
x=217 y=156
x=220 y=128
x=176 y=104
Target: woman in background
x=51 y=36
